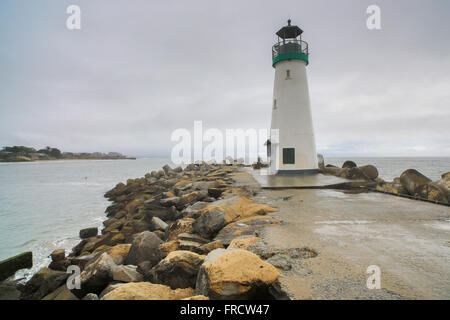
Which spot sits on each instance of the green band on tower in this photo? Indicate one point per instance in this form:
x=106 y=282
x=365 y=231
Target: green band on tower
x=289 y=56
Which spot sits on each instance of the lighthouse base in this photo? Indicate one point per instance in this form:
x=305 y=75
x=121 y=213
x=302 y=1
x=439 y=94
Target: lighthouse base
x=297 y=172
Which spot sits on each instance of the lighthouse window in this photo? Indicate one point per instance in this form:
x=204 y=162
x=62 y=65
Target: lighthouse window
x=288 y=155
x=274 y=103
x=288 y=74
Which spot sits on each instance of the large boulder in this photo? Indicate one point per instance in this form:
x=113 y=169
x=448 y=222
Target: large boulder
x=369 y=171
x=62 y=293
x=434 y=191
x=9 y=291
x=145 y=247
x=235 y=274
x=220 y=213
x=9 y=266
x=243 y=242
x=412 y=179
x=42 y=283
x=96 y=276
x=127 y=273
x=88 y=232
x=349 y=164
x=210 y=222
x=119 y=252
x=178 y=270
x=147 y=291
x=158 y=224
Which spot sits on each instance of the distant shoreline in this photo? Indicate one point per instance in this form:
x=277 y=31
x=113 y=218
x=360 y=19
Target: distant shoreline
x=29 y=154
x=45 y=160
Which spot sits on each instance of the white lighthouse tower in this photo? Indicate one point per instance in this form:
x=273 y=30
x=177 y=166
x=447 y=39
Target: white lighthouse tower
x=291 y=148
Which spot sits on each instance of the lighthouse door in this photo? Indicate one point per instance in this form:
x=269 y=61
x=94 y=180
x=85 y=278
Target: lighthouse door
x=288 y=155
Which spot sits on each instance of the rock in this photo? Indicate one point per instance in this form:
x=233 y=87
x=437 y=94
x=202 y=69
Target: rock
x=115 y=226
x=167 y=169
x=391 y=188
x=83 y=261
x=220 y=213
x=127 y=273
x=188 y=245
x=215 y=192
x=198 y=297
x=243 y=242
x=96 y=276
x=433 y=191
x=145 y=247
x=353 y=173
x=108 y=239
x=192 y=237
x=169 y=246
x=88 y=232
x=244 y=227
x=62 y=293
x=42 y=283
x=168 y=202
x=9 y=291
x=58 y=255
x=235 y=274
x=178 y=270
x=207 y=248
x=349 y=164
x=195 y=208
x=189 y=198
x=59 y=265
x=147 y=291
x=184 y=225
x=181 y=184
x=110 y=288
x=90 y=296
x=9 y=266
x=158 y=224
x=210 y=222
x=369 y=171
x=411 y=180
x=119 y=252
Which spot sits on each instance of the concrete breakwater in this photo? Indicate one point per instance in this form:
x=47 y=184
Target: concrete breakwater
x=193 y=233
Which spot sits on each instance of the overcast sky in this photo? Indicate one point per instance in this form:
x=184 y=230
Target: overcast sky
x=137 y=70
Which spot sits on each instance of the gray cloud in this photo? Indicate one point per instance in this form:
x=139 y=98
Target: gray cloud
x=138 y=70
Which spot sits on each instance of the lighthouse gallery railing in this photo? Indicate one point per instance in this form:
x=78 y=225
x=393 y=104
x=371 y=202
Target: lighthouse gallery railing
x=289 y=46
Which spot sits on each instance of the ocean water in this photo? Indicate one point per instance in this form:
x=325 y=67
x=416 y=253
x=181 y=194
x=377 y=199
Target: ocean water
x=43 y=205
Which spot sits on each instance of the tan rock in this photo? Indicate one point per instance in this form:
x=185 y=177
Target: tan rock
x=147 y=291
x=180 y=226
x=101 y=248
x=178 y=270
x=208 y=247
x=58 y=255
x=169 y=246
x=199 y=297
x=119 y=250
x=241 y=207
x=235 y=274
x=182 y=183
x=243 y=242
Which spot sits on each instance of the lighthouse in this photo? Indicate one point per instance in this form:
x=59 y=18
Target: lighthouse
x=291 y=148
